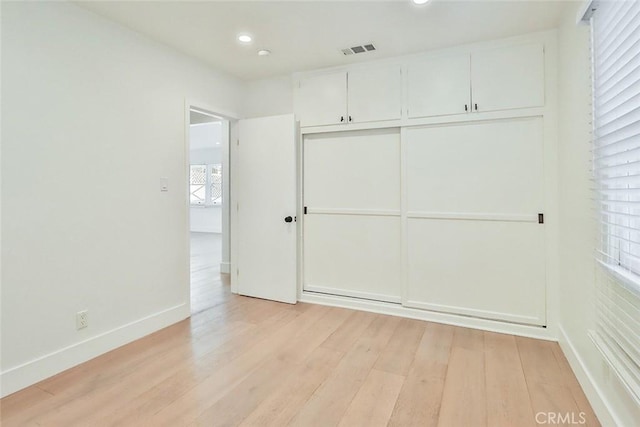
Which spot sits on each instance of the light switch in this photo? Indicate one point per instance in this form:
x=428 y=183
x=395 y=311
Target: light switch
x=164 y=184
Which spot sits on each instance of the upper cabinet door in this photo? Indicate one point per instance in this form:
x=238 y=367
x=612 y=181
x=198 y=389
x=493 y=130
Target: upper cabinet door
x=505 y=78
x=375 y=94
x=438 y=86
x=322 y=99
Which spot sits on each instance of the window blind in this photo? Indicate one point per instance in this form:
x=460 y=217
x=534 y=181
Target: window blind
x=615 y=30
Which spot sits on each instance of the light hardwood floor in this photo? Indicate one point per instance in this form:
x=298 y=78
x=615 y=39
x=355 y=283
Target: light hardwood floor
x=250 y=362
x=206 y=281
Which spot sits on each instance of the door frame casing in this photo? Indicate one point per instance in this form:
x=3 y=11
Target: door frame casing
x=229 y=120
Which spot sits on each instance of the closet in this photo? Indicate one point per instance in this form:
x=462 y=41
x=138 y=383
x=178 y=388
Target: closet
x=436 y=199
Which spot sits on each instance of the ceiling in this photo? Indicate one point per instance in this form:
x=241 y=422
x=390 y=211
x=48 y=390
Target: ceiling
x=304 y=35
x=205 y=135
x=196 y=118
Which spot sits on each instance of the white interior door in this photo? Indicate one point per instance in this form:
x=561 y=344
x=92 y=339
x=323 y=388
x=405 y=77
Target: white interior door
x=266 y=195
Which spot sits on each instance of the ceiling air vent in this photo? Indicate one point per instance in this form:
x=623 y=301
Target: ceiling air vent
x=358 y=49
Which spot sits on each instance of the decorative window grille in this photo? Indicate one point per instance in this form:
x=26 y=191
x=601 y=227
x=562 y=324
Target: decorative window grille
x=197 y=184
x=205 y=184
x=615 y=29
x=216 y=184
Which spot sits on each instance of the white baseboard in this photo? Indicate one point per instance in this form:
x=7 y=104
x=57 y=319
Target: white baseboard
x=594 y=394
x=225 y=267
x=354 y=294
x=43 y=367
x=205 y=230
x=430 y=316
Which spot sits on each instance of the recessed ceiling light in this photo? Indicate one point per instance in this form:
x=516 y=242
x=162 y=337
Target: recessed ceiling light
x=244 y=38
x=264 y=52
x=419 y=1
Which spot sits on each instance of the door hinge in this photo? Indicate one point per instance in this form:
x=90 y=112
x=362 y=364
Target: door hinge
x=237 y=142
x=237 y=271
x=540 y=218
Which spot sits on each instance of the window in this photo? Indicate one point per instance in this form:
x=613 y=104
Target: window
x=615 y=27
x=215 y=184
x=205 y=185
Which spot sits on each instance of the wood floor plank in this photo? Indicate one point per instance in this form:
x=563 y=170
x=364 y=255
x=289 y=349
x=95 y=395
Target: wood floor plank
x=576 y=391
x=538 y=361
x=420 y=398
x=464 y=397
x=206 y=281
x=553 y=400
x=374 y=402
x=22 y=402
x=191 y=404
x=343 y=338
x=549 y=388
x=398 y=355
x=280 y=407
x=470 y=339
x=265 y=379
x=329 y=402
x=508 y=402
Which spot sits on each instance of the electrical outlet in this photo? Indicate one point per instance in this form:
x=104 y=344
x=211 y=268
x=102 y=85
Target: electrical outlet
x=82 y=319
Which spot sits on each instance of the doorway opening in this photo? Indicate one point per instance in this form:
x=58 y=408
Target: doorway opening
x=208 y=209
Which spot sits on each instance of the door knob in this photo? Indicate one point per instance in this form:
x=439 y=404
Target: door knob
x=288 y=219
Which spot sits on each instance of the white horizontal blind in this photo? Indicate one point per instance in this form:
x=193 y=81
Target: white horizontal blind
x=616 y=160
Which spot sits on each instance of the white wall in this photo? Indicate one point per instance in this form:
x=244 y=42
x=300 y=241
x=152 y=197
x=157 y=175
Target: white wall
x=206 y=219
x=204 y=156
x=205 y=142
x=268 y=97
x=578 y=228
x=93 y=117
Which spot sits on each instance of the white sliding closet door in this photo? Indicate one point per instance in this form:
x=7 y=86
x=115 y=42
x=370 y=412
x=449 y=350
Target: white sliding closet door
x=474 y=244
x=352 y=226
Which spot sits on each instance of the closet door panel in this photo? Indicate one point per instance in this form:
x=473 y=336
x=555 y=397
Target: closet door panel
x=352 y=227
x=353 y=170
x=353 y=255
x=474 y=245
x=486 y=269
x=492 y=167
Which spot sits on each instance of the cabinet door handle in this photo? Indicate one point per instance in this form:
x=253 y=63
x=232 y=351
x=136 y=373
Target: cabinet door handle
x=349 y=118
x=342 y=118
x=476 y=106
x=466 y=107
